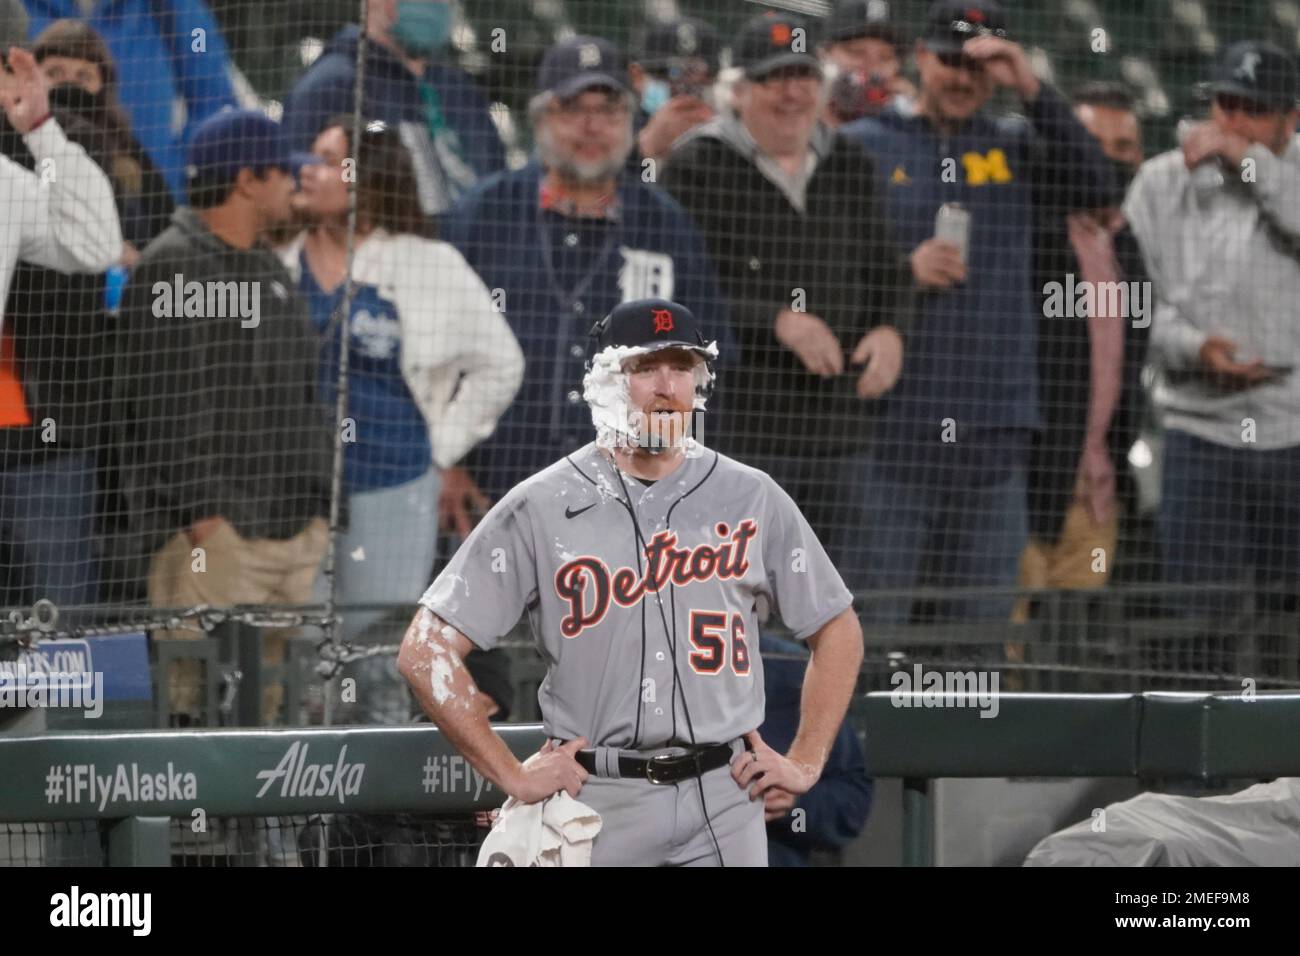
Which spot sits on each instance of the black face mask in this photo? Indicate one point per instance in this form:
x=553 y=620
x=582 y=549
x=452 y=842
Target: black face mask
x=1124 y=174
x=74 y=99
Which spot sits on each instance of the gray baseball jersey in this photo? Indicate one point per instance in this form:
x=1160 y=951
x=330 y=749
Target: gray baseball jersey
x=720 y=543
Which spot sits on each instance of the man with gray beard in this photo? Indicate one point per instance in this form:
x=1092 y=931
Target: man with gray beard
x=560 y=243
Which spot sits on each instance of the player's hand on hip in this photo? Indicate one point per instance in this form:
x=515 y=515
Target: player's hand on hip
x=458 y=498
x=777 y=804
x=763 y=768
x=810 y=338
x=881 y=351
x=549 y=771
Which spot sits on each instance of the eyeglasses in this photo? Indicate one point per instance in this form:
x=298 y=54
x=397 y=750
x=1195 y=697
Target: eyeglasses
x=1239 y=104
x=572 y=110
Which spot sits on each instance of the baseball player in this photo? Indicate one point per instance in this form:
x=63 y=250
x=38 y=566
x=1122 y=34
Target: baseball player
x=646 y=562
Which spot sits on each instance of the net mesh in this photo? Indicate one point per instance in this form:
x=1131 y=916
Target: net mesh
x=280 y=373
x=321 y=840
x=59 y=843
x=331 y=840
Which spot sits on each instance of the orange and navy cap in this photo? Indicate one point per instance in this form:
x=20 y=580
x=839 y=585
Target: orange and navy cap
x=772 y=40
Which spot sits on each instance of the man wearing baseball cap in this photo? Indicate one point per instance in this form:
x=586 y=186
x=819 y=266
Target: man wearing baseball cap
x=1222 y=256
x=673 y=77
x=566 y=239
x=225 y=450
x=790 y=211
x=950 y=457
x=654 y=692
x=412 y=83
x=860 y=46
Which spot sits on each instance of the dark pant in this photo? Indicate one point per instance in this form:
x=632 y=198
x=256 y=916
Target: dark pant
x=903 y=515
x=1230 y=515
x=47 y=522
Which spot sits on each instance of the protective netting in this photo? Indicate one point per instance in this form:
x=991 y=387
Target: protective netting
x=331 y=840
x=59 y=843
x=1039 y=406
x=320 y=840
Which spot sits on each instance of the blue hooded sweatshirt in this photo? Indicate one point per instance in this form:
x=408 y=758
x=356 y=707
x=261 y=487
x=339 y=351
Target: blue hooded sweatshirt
x=456 y=141
x=153 y=43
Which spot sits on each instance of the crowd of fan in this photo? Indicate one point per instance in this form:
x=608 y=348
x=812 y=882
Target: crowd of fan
x=179 y=296
x=936 y=422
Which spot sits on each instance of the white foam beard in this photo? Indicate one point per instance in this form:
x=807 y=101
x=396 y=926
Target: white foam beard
x=605 y=389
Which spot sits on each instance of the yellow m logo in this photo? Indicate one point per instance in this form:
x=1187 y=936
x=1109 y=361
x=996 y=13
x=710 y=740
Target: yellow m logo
x=981 y=169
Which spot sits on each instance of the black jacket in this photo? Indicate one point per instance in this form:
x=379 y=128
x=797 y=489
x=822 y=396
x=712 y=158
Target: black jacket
x=765 y=250
x=1065 y=379
x=209 y=417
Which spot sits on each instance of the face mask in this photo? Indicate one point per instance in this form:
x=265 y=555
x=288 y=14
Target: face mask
x=654 y=94
x=1124 y=174
x=421 y=28
x=854 y=94
x=74 y=99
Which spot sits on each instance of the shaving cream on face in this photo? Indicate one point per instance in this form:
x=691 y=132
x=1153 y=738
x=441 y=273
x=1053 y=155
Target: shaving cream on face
x=605 y=388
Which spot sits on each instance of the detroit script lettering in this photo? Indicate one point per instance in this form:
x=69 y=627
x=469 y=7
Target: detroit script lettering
x=588 y=575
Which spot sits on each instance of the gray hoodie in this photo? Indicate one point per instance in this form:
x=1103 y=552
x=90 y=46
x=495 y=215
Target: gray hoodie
x=1224 y=261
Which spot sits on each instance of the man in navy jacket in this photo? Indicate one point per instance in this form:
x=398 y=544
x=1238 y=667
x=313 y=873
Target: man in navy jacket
x=441 y=115
x=561 y=242
x=947 y=473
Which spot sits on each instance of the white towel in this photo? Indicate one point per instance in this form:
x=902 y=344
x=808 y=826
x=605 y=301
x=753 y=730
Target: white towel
x=557 y=831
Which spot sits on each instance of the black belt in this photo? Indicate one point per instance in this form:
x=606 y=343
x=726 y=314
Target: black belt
x=665 y=768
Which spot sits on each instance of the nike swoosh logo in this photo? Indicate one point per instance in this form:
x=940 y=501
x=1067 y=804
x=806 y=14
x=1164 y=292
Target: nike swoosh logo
x=570 y=513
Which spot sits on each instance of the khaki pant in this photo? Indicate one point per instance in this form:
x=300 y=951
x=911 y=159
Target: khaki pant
x=1067 y=564
x=231 y=570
